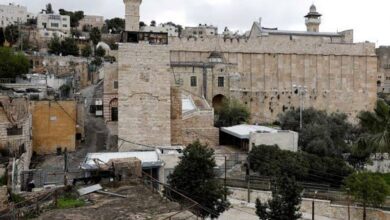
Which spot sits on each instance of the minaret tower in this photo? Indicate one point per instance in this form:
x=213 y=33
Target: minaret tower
x=132 y=14
x=313 y=20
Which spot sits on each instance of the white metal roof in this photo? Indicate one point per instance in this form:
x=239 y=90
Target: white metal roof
x=243 y=131
x=148 y=158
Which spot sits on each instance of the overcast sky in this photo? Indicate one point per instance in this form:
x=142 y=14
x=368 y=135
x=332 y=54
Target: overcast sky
x=369 y=19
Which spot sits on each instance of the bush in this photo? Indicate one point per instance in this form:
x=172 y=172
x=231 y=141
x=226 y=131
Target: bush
x=12 y=64
x=69 y=202
x=232 y=112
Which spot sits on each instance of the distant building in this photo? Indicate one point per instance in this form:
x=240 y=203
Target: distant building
x=13 y=14
x=52 y=24
x=91 y=21
x=172 y=30
x=201 y=31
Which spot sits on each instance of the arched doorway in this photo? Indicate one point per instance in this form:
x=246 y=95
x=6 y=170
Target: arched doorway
x=218 y=101
x=114 y=109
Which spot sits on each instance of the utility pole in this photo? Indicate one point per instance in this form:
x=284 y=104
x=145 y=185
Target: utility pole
x=313 y=208
x=225 y=180
x=65 y=166
x=349 y=205
x=248 y=177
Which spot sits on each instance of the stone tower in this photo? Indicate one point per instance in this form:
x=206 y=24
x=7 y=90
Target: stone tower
x=132 y=14
x=313 y=20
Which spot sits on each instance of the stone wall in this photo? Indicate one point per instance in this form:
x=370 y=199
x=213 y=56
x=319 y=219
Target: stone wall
x=339 y=77
x=144 y=94
x=176 y=117
x=54 y=126
x=286 y=140
x=110 y=93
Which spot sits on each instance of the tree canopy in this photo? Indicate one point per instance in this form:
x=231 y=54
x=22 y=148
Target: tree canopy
x=322 y=134
x=12 y=64
x=232 y=112
x=368 y=189
x=376 y=127
x=75 y=17
x=100 y=52
x=116 y=25
x=11 y=34
x=86 y=51
x=95 y=35
x=2 y=37
x=285 y=202
x=66 y=47
x=194 y=176
x=273 y=162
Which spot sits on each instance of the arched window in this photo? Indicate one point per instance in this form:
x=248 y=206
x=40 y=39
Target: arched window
x=114 y=109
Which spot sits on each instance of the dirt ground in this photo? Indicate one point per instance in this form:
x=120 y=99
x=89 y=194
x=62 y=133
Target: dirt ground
x=141 y=204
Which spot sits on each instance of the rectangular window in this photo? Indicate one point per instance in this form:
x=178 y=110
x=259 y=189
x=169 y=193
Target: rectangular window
x=54 y=25
x=64 y=25
x=193 y=81
x=14 y=131
x=221 y=81
x=115 y=84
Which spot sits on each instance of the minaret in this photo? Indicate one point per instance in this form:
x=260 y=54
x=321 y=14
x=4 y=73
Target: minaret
x=132 y=14
x=313 y=20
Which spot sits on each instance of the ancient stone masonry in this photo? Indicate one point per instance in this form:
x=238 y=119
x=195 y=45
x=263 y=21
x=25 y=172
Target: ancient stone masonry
x=339 y=76
x=144 y=94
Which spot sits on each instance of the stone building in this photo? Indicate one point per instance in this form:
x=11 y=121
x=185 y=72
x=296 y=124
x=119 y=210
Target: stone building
x=172 y=30
x=383 y=80
x=54 y=126
x=261 y=69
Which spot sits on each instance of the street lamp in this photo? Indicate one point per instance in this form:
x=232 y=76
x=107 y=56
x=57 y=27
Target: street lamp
x=301 y=91
x=312 y=212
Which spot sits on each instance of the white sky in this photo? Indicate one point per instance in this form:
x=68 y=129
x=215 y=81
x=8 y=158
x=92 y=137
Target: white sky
x=369 y=18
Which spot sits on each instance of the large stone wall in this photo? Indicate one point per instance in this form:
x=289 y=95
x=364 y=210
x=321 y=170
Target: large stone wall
x=339 y=77
x=144 y=94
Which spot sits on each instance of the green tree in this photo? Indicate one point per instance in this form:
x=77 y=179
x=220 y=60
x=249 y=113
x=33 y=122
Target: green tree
x=97 y=62
x=232 y=112
x=49 y=9
x=2 y=37
x=285 y=202
x=55 y=45
x=12 y=64
x=69 y=47
x=195 y=177
x=153 y=23
x=75 y=17
x=116 y=25
x=86 y=51
x=377 y=125
x=11 y=34
x=95 y=36
x=368 y=189
x=100 y=52
x=323 y=134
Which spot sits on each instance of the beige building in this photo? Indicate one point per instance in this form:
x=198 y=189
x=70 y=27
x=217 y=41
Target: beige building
x=172 y=31
x=13 y=14
x=383 y=80
x=91 y=21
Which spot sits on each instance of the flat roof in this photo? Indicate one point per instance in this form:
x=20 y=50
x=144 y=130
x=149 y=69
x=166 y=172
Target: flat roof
x=148 y=158
x=243 y=131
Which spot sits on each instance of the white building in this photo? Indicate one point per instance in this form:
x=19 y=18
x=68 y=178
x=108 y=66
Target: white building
x=201 y=31
x=247 y=136
x=50 y=24
x=172 y=30
x=13 y=14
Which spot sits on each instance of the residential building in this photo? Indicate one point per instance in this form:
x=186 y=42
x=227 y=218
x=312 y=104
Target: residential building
x=53 y=24
x=172 y=30
x=13 y=14
x=200 y=31
x=91 y=21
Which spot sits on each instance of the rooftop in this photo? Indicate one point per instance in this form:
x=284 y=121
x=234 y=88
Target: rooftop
x=244 y=131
